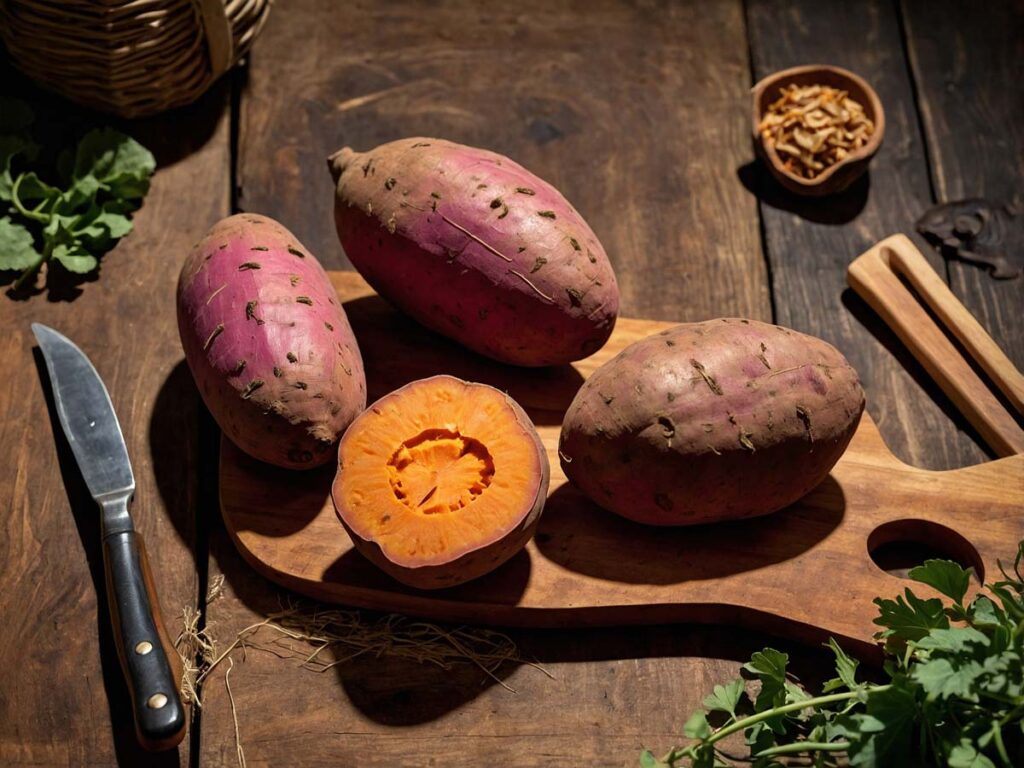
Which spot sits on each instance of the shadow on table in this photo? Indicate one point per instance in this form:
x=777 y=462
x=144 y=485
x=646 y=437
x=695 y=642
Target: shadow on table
x=832 y=209
x=402 y=692
x=174 y=450
x=87 y=521
x=583 y=538
x=387 y=688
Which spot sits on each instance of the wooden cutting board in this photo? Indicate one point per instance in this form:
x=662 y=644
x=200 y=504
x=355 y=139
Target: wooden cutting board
x=805 y=572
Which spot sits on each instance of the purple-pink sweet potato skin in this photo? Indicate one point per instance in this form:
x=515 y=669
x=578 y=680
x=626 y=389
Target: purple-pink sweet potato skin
x=711 y=421
x=268 y=343
x=474 y=246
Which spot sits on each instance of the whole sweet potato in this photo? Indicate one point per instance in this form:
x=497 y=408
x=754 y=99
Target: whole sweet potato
x=474 y=246
x=711 y=421
x=268 y=343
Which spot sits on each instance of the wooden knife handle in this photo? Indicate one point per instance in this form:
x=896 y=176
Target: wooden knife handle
x=151 y=666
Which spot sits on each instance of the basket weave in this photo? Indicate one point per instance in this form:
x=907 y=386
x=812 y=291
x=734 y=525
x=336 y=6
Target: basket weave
x=129 y=57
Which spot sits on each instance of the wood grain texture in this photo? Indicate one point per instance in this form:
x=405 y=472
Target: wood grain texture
x=810 y=244
x=588 y=567
x=878 y=277
x=629 y=109
x=64 y=700
x=967 y=66
x=636 y=111
x=611 y=694
x=584 y=95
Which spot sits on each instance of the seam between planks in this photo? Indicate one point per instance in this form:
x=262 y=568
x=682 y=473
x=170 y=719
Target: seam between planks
x=757 y=175
x=912 y=70
x=207 y=504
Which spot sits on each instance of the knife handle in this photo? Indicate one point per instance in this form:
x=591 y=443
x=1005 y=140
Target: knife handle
x=143 y=645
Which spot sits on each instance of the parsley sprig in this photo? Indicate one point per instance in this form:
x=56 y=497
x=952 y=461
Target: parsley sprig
x=72 y=224
x=954 y=695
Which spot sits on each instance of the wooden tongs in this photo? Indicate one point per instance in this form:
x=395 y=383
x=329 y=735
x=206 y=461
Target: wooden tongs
x=881 y=276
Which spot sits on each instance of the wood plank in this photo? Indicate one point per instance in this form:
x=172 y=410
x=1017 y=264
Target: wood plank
x=810 y=243
x=635 y=111
x=967 y=65
x=64 y=699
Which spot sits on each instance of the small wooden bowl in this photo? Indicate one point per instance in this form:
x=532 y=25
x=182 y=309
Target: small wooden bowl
x=836 y=177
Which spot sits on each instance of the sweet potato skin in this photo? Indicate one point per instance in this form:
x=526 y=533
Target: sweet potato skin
x=268 y=343
x=442 y=572
x=718 y=420
x=475 y=247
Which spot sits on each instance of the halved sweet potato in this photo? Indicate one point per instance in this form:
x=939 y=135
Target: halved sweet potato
x=441 y=481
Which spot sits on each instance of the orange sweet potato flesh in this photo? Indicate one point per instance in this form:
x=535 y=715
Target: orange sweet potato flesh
x=441 y=481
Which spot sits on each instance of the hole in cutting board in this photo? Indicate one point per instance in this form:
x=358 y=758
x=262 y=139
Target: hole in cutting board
x=900 y=545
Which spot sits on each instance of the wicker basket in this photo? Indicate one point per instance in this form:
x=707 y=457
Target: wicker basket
x=129 y=57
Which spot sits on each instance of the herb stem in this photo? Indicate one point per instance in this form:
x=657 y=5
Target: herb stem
x=29 y=272
x=28 y=214
x=805 y=746
x=796 y=706
x=1011 y=715
x=997 y=738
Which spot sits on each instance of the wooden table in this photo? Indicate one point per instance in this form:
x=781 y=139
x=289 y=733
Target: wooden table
x=638 y=112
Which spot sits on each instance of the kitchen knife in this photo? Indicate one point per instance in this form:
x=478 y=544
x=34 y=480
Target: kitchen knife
x=89 y=421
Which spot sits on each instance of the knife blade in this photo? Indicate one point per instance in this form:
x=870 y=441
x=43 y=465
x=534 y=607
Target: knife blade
x=87 y=416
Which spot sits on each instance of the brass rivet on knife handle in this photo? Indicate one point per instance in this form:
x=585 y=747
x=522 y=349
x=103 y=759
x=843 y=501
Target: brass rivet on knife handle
x=165 y=639
x=875 y=276
x=152 y=731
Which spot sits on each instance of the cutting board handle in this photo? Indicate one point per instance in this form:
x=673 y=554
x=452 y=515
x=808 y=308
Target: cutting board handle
x=878 y=276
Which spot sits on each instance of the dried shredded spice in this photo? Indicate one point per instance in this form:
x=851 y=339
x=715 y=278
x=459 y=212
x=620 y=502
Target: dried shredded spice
x=814 y=127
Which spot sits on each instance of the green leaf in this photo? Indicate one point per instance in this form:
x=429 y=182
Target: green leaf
x=769 y=666
x=17 y=248
x=81 y=192
x=768 y=663
x=886 y=730
x=909 y=619
x=120 y=164
x=114 y=220
x=984 y=613
x=10 y=148
x=795 y=693
x=964 y=755
x=648 y=760
x=15 y=115
x=99 y=227
x=940 y=678
x=725 y=698
x=846 y=669
x=75 y=258
x=842 y=726
x=697 y=726
x=944 y=576
x=31 y=188
x=1012 y=604
x=954 y=640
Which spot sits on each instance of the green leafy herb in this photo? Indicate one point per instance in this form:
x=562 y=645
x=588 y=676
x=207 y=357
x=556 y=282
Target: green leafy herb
x=74 y=223
x=954 y=697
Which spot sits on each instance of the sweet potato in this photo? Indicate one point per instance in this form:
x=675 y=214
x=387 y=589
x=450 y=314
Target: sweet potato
x=711 y=421
x=441 y=481
x=474 y=246
x=268 y=343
